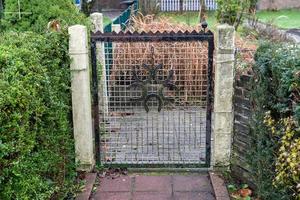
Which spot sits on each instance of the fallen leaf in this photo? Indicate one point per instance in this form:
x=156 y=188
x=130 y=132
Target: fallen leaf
x=245 y=192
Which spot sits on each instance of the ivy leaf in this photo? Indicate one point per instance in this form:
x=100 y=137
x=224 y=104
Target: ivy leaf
x=231 y=188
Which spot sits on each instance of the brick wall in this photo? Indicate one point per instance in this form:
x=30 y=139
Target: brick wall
x=241 y=138
x=278 y=4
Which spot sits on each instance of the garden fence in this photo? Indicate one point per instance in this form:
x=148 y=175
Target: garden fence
x=185 y=5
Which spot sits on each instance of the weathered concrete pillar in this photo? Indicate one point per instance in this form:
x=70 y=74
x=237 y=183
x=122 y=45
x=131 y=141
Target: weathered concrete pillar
x=97 y=21
x=223 y=104
x=81 y=97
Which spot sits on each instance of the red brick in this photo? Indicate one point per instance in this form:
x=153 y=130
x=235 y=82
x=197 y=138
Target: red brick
x=89 y=183
x=219 y=187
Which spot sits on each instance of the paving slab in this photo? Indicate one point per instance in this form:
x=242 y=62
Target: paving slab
x=193 y=196
x=151 y=196
x=196 y=186
x=120 y=184
x=192 y=183
x=112 y=196
x=153 y=183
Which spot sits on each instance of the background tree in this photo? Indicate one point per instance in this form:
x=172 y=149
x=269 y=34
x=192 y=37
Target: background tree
x=1 y=8
x=148 y=7
x=202 y=11
x=232 y=12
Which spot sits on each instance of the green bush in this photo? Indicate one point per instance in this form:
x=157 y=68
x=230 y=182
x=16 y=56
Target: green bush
x=232 y=11
x=276 y=99
x=36 y=146
x=39 y=13
x=288 y=159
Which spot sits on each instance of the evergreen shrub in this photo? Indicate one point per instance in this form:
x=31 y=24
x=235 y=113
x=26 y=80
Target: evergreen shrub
x=36 y=145
x=274 y=157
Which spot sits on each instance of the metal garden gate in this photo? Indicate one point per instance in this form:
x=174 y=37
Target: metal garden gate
x=153 y=98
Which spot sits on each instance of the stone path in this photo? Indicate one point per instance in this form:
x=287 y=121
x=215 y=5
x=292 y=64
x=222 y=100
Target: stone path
x=171 y=187
x=295 y=33
x=291 y=34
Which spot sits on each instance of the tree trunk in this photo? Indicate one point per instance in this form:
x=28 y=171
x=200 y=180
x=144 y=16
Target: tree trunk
x=181 y=5
x=1 y=8
x=202 y=11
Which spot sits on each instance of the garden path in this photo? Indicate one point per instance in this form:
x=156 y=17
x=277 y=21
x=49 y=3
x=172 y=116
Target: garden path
x=155 y=188
x=295 y=34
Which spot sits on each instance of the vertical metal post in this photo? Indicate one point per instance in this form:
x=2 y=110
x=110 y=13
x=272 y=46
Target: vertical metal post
x=95 y=101
x=209 y=99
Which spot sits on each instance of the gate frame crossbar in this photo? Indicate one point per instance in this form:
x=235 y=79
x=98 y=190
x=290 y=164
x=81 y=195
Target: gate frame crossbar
x=202 y=36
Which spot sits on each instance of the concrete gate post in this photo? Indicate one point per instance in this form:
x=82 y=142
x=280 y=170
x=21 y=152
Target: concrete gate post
x=81 y=97
x=97 y=22
x=223 y=94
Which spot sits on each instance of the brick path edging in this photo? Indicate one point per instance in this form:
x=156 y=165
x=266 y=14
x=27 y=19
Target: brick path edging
x=90 y=179
x=219 y=186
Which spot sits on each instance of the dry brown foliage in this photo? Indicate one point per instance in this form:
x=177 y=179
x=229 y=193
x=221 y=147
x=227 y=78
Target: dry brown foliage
x=149 y=23
x=188 y=60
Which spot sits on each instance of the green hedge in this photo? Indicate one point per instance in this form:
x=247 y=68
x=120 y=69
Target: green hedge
x=36 y=145
x=276 y=118
x=38 y=13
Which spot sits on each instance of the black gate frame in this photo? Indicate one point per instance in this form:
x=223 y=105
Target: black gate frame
x=153 y=37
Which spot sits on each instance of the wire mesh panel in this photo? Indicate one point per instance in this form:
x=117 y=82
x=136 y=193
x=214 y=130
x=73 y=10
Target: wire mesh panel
x=158 y=99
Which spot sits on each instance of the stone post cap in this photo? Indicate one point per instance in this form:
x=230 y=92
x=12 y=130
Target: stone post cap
x=225 y=26
x=97 y=21
x=76 y=28
x=78 y=40
x=225 y=38
x=96 y=15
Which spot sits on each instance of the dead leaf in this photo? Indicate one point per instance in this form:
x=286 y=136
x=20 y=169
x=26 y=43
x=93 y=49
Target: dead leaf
x=245 y=192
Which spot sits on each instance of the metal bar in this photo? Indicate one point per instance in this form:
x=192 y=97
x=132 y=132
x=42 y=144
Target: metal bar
x=169 y=170
x=95 y=100
x=152 y=37
x=179 y=167
x=209 y=100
